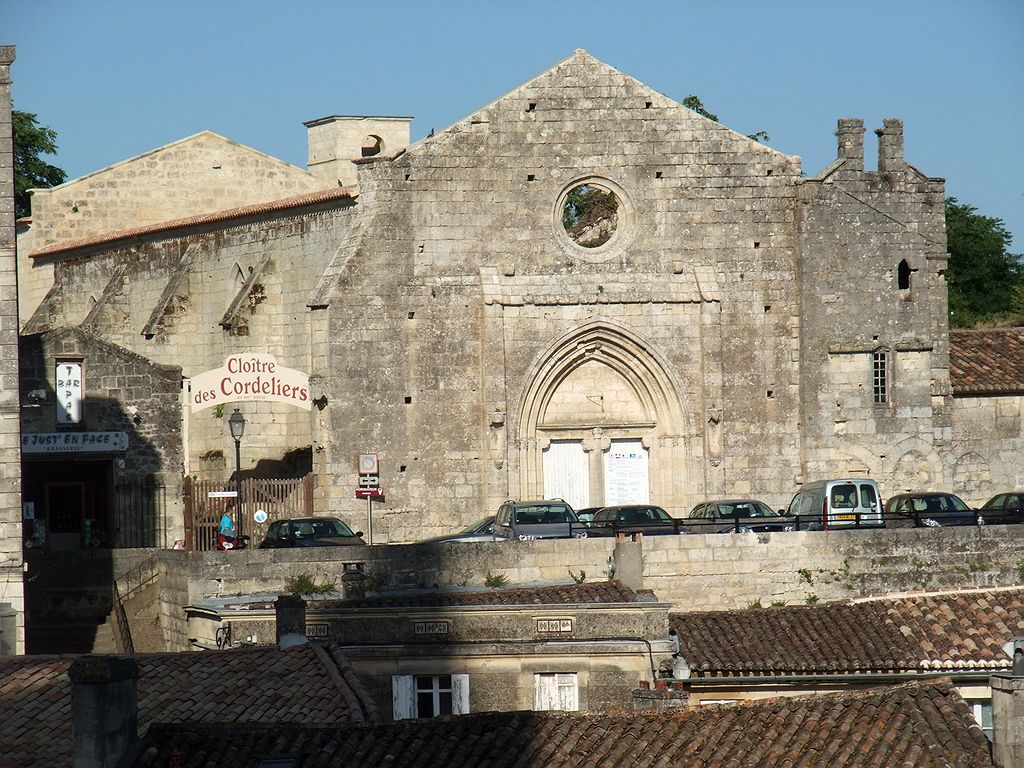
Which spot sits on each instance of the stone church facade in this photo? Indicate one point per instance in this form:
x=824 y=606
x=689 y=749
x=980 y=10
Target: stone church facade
x=582 y=290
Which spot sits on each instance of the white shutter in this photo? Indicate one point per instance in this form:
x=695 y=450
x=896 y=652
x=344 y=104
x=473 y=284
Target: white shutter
x=403 y=697
x=567 y=473
x=545 y=692
x=460 y=694
x=568 y=692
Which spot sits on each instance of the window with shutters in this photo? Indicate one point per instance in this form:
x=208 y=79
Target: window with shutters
x=429 y=695
x=556 y=691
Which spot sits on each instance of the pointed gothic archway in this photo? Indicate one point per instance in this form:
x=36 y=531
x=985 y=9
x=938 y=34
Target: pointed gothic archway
x=602 y=421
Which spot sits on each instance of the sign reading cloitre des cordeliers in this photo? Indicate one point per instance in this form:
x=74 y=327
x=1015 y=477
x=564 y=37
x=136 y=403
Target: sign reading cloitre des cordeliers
x=250 y=377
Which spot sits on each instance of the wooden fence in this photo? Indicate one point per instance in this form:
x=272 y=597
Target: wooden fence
x=280 y=499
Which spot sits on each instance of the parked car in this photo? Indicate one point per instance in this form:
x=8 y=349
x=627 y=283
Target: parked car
x=481 y=530
x=1004 y=508
x=310 y=532
x=841 y=503
x=544 y=519
x=586 y=514
x=633 y=518
x=928 y=510
x=735 y=516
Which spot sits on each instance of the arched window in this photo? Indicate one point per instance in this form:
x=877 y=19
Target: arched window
x=903 y=276
x=372 y=145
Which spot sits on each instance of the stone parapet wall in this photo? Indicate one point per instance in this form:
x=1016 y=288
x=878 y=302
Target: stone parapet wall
x=693 y=572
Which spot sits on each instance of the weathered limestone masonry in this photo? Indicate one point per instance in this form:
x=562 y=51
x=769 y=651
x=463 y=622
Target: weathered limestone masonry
x=714 y=572
x=728 y=329
x=191 y=296
x=12 y=601
x=722 y=327
x=199 y=174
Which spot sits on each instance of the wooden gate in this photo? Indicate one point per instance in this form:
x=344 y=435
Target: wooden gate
x=280 y=499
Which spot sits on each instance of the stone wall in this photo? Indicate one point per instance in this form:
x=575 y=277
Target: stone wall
x=12 y=604
x=990 y=441
x=695 y=572
x=181 y=299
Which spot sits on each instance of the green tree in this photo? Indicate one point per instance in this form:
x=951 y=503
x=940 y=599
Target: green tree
x=694 y=103
x=985 y=280
x=32 y=140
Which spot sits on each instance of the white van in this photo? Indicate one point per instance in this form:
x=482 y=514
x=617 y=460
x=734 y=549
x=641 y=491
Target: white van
x=845 y=503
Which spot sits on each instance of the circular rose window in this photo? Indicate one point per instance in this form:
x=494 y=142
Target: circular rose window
x=590 y=214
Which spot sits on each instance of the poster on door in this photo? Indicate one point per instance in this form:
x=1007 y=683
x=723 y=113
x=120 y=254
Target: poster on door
x=626 y=474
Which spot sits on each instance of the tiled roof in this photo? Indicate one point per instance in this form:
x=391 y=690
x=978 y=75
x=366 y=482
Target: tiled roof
x=924 y=724
x=560 y=594
x=313 y=684
x=273 y=206
x=954 y=631
x=987 y=362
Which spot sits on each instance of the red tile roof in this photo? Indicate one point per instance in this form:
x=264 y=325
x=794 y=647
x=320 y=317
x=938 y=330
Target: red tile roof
x=922 y=724
x=273 y=206
x=605 y=592
x=987 y=362
x=306 y=684
x=954 y=631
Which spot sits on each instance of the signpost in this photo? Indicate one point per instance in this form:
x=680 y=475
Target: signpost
x=369 y=488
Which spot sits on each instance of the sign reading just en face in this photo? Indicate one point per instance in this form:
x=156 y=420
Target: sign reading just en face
x=250 y=377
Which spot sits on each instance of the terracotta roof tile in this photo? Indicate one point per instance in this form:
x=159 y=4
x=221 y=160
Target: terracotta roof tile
x=986 y=362
x=272 y=206
x=921 y=724
x=304 y=684
x=605 y=592
x=962 y=630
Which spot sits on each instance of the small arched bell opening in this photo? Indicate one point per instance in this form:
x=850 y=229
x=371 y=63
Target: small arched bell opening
x=372 y=146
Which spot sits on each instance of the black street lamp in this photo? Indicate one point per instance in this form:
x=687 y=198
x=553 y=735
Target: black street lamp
x=236 y=423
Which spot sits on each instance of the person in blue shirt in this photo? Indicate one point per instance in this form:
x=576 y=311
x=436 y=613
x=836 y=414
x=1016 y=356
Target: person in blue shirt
x=226 y=540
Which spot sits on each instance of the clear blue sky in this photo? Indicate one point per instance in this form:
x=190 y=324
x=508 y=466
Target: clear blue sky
x=118 y=77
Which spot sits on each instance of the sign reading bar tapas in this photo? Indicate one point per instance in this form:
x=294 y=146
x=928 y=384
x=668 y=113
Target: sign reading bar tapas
x=74 y=442
x=249 y=377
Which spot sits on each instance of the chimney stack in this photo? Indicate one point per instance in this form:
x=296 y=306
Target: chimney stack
x=1008 y=712
x=353 y=581
x=291 y=621
x=104 y=709
x=850 y=132
x=890 y=145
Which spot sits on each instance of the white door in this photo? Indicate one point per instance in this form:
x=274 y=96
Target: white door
x=626 y=474
x=566 y=473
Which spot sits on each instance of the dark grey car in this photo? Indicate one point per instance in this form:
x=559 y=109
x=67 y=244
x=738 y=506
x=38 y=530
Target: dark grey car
x=481 y=530
x=310 y=532
x=736 y=516
x=647 y=519
x=543 y=519
x=929 y=510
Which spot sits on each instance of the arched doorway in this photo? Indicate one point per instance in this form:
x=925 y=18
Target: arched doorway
x=602 y=423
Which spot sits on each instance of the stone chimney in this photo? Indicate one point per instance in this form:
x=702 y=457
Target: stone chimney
x=353 y=581
x=104 y=709
x=291 y=621
x=628 y=559
x=890 y=146
x=850 y=132
x=1008 y=712
x=337 y=140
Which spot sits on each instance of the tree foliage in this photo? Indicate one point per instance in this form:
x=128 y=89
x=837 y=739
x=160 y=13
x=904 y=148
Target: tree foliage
x=985 y=280
x=694 y=103
x=31 y=171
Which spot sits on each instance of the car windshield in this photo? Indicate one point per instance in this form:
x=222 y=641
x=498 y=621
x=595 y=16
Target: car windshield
x=324 y=528
x=543 y=513
x=745 y=509
x=481 y=526
x=939 y=502
x=641 y=515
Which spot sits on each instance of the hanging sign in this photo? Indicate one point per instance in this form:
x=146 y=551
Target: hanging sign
x=69 y=393
x=250 y=377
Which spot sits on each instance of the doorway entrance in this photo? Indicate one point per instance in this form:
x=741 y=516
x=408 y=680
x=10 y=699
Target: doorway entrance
x=67 y=504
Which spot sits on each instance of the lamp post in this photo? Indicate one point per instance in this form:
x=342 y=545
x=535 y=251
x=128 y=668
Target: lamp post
x=236 y=423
